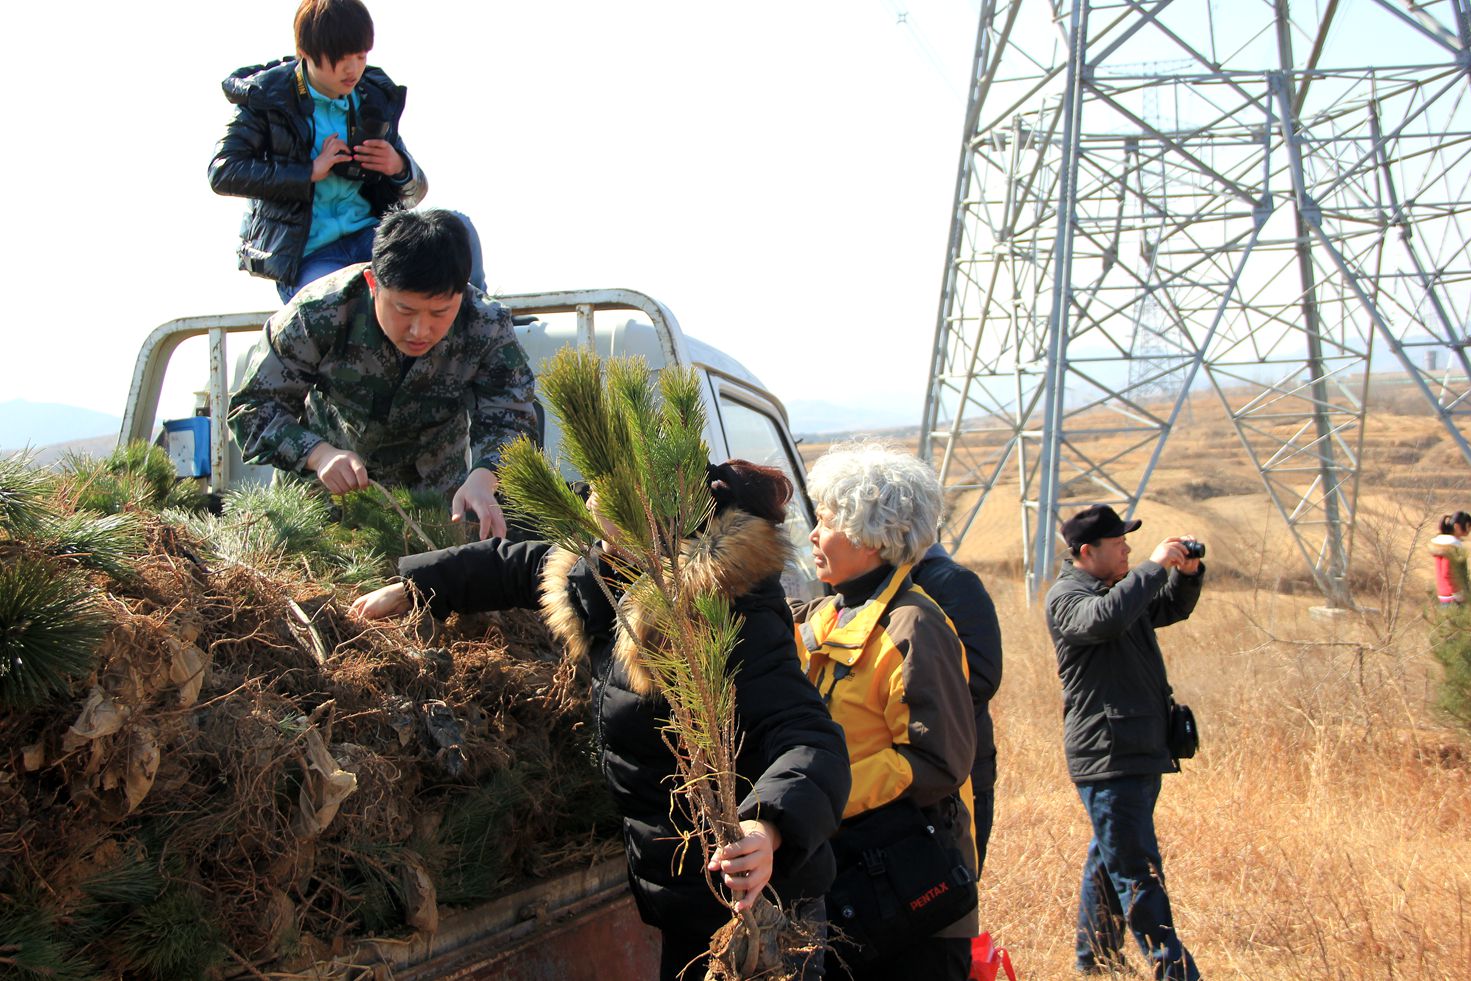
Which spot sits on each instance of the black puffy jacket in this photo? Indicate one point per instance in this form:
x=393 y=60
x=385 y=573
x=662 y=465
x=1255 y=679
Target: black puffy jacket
x=960 y=594
x=266 y=155
x=793 y=757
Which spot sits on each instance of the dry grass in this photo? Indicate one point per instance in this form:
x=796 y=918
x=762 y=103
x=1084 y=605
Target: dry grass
x=1324 y=831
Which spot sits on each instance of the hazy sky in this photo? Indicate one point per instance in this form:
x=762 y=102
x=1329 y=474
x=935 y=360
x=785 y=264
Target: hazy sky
x=778 y=173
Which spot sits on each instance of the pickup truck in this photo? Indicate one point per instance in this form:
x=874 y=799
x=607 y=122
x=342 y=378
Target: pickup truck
x=581 y=925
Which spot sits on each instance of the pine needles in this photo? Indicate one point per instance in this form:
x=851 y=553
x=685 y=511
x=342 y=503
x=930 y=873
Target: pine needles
x=536 y=493
x=138 y=475
x=22 y=490
x=169 y=940
x=291 y=526
x=645 y=457
x=50 y=618
x=110 y=543
x=1450 y=641
x=50 y=626
x=644 y=454
x=30 y=949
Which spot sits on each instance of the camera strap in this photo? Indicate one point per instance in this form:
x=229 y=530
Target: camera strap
x=304 y=90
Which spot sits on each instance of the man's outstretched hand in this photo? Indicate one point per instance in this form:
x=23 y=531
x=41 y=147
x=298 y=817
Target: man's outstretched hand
x=339 y=471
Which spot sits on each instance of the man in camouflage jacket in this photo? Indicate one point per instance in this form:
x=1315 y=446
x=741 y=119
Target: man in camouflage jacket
x=396 y=371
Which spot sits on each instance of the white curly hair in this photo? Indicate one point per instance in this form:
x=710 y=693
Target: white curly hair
x=879 y=497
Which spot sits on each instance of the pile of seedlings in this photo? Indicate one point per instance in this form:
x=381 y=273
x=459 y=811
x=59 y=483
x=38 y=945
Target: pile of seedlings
x=209 y=769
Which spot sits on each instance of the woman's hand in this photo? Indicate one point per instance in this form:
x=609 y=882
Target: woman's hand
x=380 y=604
x=745 y=865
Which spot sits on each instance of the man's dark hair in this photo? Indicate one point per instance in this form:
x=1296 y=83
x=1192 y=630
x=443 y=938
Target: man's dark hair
x=330 y=30
x=424 y=252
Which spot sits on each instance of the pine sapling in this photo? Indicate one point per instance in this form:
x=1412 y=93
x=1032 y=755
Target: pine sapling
x=50 y=627
x=23 y=491
x=642 y=451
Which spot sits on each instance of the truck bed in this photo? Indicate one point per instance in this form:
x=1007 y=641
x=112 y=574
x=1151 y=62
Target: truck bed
x=578 y=927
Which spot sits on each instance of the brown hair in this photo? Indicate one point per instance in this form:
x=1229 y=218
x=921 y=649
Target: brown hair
x=330 y=30
x=761 y=491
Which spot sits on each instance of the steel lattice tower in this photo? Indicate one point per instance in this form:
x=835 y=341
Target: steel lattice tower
x=1250 y=194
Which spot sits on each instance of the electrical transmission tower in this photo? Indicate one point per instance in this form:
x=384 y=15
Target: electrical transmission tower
x=1306 y=198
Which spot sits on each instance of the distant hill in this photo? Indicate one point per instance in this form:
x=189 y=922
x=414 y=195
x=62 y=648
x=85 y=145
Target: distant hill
x=37 y=424
x=810 y=417
x=45 y=456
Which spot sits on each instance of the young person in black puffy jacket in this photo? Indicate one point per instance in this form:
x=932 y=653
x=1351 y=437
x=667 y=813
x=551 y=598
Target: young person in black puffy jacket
x=792 y=753
x=301 y=147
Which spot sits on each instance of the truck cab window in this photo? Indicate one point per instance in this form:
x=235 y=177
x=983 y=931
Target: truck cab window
x=754 y=435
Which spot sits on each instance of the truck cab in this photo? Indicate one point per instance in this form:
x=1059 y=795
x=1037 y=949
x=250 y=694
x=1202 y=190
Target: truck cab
x=743 y=418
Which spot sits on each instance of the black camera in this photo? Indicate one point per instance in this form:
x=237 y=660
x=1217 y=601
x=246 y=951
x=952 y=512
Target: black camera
x=372 y=126
x=1194 y=549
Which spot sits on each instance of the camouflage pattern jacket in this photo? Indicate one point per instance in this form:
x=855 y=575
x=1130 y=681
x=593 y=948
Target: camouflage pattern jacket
x=325 y=371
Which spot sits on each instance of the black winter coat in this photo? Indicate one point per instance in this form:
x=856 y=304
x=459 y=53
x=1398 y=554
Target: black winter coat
x=960 y=594
x=793 y=756
x=1115 y=694
x=266 y=155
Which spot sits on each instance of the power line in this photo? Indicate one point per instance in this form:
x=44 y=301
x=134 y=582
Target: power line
x=904 y=18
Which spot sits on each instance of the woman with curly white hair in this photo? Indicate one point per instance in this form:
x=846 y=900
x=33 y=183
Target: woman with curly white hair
x=892 y=672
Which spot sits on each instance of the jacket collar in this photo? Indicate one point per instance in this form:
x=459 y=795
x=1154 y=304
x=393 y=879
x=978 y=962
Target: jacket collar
x=844 y=644
x=735 y=553
x=859 y=590
x=323 y=99
x=1071 y=571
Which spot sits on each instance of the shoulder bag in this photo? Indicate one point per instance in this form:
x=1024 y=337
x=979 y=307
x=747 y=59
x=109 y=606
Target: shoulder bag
x=900 y=878
x=1183 y=737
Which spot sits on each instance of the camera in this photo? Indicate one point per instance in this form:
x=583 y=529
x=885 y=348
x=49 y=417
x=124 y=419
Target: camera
x=372 y=126
x=1193 y=549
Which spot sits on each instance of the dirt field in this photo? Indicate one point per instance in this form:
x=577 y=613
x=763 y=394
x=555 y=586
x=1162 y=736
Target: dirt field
x=1324 y=831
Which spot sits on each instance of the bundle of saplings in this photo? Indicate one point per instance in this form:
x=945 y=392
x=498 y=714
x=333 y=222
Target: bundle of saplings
x=210 y=770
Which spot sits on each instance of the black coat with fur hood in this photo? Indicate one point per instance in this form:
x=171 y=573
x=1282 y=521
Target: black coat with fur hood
x=793 y=754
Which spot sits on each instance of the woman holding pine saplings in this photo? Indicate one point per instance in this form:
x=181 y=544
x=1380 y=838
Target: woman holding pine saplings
x=728 y=771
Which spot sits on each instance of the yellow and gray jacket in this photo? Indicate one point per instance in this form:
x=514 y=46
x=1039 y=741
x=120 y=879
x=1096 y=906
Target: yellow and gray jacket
x=892 y=672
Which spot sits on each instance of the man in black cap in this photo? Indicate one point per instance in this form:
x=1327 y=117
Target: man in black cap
x=1116 y=698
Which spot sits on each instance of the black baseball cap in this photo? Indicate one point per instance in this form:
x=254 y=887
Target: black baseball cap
x=1091 y=524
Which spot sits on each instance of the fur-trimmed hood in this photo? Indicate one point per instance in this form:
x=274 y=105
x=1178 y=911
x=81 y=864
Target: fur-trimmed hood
x=1446 y=546
x=792 y=756
x=734 y=553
